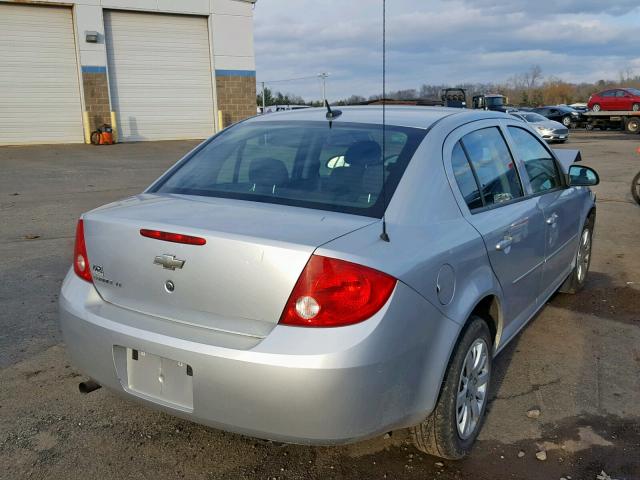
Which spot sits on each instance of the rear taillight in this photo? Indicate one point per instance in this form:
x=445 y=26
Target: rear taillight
x=80 y=259
x=335 y=293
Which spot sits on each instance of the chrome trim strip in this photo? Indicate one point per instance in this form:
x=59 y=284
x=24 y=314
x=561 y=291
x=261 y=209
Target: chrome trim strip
x=529 y=272
x=561 y=247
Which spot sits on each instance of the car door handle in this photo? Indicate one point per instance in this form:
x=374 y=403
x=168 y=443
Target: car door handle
x=552 y=219
x=504 y=244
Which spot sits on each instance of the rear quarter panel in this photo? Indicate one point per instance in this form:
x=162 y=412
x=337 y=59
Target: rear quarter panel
x=428 y=236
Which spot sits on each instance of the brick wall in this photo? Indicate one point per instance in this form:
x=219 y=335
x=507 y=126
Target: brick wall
x=96 y=98
x=236 y=97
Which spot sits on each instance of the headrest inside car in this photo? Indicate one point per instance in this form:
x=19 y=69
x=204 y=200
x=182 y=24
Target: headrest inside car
x=268 y=171
x=366 y=152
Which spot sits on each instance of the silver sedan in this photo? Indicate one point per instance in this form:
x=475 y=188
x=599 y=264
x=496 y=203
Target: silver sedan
x=550 y=130
x=323 y=279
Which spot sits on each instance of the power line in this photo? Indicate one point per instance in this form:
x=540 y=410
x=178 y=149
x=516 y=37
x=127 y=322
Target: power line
x=320 y=76
x=315 y=77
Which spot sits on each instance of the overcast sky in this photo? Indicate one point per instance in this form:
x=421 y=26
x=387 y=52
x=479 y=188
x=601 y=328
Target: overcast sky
x=441 y=41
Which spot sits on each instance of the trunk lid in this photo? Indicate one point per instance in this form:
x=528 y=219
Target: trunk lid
x=238 y=282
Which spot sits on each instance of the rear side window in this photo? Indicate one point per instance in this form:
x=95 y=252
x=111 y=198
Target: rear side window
x=465 y=178
x=493 y=165
x=540 y=165
x=307 y=164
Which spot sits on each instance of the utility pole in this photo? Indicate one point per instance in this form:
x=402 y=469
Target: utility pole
x=264 y=101
x=323 y=76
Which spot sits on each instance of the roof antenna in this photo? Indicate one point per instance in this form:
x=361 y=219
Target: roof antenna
x=383 y=235
x=331 y=114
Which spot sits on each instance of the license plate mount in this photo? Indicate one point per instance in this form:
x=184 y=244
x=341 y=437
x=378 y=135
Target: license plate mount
x=163 y=380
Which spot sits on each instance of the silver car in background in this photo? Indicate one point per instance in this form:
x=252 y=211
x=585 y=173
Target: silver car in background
x=550 y=130
x=256 y=288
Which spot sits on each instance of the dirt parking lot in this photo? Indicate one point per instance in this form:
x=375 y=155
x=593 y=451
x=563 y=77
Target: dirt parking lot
x=578 y=361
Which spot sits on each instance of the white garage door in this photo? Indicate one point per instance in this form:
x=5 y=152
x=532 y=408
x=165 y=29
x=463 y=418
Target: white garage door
x=160 y=75
x=39 y=91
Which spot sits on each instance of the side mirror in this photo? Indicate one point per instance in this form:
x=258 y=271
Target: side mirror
x=580 y=176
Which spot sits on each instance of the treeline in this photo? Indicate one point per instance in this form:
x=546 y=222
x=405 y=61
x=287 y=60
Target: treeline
x=530 y=88
x=279 y=98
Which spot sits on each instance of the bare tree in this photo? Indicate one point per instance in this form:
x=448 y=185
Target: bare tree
x=532 y=76
x=626 y=75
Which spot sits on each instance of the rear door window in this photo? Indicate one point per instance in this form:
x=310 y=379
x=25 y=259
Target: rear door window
x=493 y=165
x=541 y=168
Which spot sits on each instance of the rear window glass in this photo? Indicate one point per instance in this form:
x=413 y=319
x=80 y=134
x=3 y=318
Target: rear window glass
x=303 y=164
x=465 y=178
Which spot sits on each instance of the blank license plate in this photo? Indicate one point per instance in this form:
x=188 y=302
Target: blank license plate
x=169 y=381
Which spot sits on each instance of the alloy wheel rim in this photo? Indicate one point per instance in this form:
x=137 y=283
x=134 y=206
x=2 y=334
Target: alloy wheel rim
x=472 y=389
x=584 y=255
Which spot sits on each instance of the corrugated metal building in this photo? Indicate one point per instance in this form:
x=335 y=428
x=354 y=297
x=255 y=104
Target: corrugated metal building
x=163 y=69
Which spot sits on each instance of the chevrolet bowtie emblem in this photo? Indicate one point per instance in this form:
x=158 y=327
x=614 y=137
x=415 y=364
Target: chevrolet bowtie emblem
x=170 y=262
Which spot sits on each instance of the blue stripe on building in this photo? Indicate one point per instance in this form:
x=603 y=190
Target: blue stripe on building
x=235 y=73
x=93 y=69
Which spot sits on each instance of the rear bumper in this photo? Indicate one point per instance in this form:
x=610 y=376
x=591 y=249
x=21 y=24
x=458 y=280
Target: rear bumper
x=298 y=385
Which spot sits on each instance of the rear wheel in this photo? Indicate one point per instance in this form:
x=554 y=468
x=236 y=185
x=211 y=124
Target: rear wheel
x=635 y=188
x=452 y=427
x=578 y=277
x=596 y=107
x=566 y=121
x=632 y=125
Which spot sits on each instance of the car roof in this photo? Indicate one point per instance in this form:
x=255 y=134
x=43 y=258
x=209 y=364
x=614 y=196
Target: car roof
x=558 y=107
x=397 y=115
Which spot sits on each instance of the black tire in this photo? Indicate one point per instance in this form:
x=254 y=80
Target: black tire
x=95 y=138
x=566 y=121
x=635 y=188
x=635 y=107
x=438 y=434
x=576 y=281
x=596 y=107
x=588 y=126
x=632 y=125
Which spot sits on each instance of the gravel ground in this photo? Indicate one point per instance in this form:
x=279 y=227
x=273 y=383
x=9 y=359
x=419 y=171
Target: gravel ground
x=578 y=361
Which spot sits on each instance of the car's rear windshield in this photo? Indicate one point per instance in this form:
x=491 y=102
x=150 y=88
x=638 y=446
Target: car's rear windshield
x=337 y=167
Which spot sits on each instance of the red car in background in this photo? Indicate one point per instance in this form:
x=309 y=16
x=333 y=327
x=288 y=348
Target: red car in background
x=615 y=99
